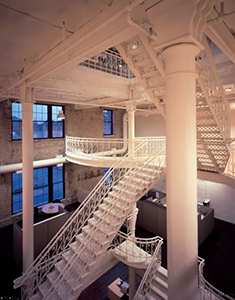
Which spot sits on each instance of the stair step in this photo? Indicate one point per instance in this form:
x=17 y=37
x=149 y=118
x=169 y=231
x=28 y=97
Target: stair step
x=115 y=211
x=157 y=292
x=139 y=181
x=109 y=219
x=160 y=284
x=119 y=191
x=86 y=257
x=115 y=202
x=92 y=223
x=72 y=278
x=36 y=297
x=149 y=297
x=101 y=238
x=162 y=273
x=44 y=287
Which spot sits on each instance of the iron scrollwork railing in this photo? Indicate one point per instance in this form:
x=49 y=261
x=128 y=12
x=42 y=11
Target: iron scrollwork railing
x=135 y=250
x=111 y=62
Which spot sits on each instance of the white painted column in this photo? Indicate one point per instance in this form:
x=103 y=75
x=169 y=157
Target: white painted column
x=131 y=135
x=181 y=174
x=132 y=285
x=27 y=96
x=131 y=126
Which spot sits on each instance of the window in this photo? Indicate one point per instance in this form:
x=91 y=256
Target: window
x=108 y=122
x=48 y=186
x=108 y=180
x=45 y=122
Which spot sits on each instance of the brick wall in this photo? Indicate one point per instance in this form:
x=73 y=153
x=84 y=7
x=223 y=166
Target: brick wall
x=80 y=123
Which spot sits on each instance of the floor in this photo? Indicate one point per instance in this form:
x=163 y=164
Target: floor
x=218 y=251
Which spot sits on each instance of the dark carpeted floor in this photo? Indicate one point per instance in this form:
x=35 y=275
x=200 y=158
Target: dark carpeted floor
x=218 y=250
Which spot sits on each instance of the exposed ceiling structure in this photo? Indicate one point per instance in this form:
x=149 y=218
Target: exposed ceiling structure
x=35 y=30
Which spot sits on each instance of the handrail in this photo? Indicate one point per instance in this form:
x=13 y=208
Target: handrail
x=133 y=244
x=60 y=243
x=98 y=147
x=76 y=259
x=109 y=62
x=151 y=270
x=206 y=290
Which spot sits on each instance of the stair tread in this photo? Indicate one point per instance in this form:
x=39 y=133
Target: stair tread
x=157 y=291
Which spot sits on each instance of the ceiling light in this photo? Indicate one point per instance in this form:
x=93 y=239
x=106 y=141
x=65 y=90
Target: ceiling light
x=61 y=115
x=134 y=46
x=228 y=89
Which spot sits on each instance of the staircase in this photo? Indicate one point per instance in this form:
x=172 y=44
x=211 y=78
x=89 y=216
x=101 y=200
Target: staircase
x=67 y=265
x=213 y=112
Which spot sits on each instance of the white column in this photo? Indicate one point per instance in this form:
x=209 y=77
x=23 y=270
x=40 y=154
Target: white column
x=131 y=126
x=133 y=219
x=131 y=283
x=181 y=174
x=27 y=95
x=131 y=135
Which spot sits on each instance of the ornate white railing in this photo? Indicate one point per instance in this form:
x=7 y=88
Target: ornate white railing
x=152 y=270
x=213 y=91
x=206 y=290
x=109 y=62
x=45 y=262
x=135 y=250
x=107 y=147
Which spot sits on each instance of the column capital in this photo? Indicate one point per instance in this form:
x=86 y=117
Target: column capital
x=27 y=94
x=180 y=59
x=181 y=49
x=130 y=106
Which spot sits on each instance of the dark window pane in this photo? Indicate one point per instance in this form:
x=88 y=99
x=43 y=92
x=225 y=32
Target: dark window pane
x=17 y=130
x=108 y=122
x=58 y=192
x=58 y=185
x=57 y=124
x=57 y=128
x=40 y=130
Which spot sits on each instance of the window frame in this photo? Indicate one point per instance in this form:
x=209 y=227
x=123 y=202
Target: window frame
x=112 y=123
x=50 y=188
x=49 y=121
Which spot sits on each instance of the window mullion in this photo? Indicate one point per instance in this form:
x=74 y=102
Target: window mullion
x=49 y=111
x=50 y=183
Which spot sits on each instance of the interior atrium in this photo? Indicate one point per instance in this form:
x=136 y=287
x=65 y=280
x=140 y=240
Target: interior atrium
x=117 y=149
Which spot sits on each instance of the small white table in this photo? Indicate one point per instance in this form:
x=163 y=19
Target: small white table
x=52 y=208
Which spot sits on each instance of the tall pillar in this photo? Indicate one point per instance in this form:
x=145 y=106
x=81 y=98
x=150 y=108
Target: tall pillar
x=27 y=97
x=131 y=283
x=131 y=126
x=181 y=174
x=131 y=148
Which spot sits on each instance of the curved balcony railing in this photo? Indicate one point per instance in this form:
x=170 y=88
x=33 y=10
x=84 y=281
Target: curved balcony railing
x=206 y=290
x=135 y=251
x=103 y=148
x=110 y=62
